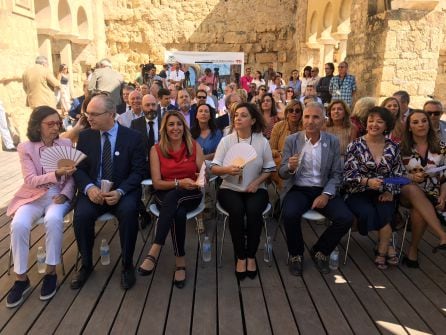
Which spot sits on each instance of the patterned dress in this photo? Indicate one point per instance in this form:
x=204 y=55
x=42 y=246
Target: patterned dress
x=415 y=163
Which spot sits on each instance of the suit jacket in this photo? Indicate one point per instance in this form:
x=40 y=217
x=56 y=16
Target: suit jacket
x=128 y=159
x=121 y=108
x=331 y=168
x=39 y=84
x=108 y=80
x=170 y=107
x=36 y=181
x=442 y=131
x=140 y=125
x=222 y=121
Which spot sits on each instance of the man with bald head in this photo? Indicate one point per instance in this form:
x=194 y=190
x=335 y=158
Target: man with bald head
x=135 y=112
x=311 y=166
x=114 y=153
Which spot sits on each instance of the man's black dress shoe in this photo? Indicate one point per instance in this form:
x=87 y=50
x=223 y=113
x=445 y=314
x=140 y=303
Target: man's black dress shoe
x=128 y=278
x=145 y=220
x=295 y=265
x=80 y=278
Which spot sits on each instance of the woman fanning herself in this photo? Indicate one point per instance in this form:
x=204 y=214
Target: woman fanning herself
x=43 y=193
x=421 y=151
x=174 y=162
x=339 y=124
x=248 y=196
x=369 y=160
x=205 y=131
x=282 y=129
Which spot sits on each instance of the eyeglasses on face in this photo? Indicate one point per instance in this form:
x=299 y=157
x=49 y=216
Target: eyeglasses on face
x=295 y=111
x=434 y=113
x=53 y=123
x=201 y=97
x=290 y=90
x=94 y=114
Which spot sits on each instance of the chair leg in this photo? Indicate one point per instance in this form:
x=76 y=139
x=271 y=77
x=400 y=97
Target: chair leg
x=10 y=259
x=62 y=263
x=348 y=245
x=155 y=227
x=404 y=237
x=270 y=256
x=222 y=241
x=200 y=250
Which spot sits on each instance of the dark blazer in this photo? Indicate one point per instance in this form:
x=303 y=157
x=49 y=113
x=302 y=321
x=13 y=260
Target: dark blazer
x=331 y=168
x=140 y=125
x=222 y=121
x=170 y=107
x=129 y=163
x=121 y=108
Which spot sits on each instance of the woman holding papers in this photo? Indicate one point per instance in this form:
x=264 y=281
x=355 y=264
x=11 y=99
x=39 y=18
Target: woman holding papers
x=44 y=193
x=174 y=163
x=423 y=157
x=243 y=191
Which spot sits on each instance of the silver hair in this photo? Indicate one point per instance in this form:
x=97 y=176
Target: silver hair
x=315 y=105
x=433 y=102
x=105 y=62
x=109 y=104
x=42 y=60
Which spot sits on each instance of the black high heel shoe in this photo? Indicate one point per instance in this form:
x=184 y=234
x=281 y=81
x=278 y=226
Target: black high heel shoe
x=410 y=263
x=240 y=275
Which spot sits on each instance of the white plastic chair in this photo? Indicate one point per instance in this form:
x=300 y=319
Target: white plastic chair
x=221 y=211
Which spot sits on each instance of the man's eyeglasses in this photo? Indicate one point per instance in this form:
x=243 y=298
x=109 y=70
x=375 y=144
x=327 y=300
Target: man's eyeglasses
x=435 y=113
x=295 y=110
x=201 y=97
x=94 y=114
x=53 y=123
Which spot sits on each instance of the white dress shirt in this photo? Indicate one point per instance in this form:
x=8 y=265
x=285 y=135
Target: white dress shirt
x=126 y=118
x=310 y=160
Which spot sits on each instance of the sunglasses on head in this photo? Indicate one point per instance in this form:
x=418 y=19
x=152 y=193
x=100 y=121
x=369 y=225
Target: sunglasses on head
x=435 y=113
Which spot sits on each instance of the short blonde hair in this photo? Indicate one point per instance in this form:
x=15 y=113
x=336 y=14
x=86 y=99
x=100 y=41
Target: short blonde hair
x=362 y=107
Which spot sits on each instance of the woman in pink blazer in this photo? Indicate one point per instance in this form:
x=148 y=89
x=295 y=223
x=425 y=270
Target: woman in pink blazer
x=43 y=193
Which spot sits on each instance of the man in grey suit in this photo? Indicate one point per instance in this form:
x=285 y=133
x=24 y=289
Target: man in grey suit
x=311 y=165
x=108 y=80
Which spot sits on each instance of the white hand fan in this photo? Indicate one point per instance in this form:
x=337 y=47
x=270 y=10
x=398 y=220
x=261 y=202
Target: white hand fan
x=239 y=155
x=56 y=157
x=201 y=179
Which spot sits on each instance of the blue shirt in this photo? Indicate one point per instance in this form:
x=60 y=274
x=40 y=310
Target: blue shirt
x=210 y=143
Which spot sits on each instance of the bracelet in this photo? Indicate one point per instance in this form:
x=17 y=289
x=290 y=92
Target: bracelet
x=177 y=183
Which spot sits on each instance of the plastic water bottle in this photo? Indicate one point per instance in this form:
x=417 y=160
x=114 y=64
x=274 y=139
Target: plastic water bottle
x=267 y=250
x=105 y=252
x=41 y=257
x=207 y=249
x=334 y=259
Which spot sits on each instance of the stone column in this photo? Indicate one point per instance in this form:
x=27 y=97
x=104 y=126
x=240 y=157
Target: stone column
x=45 y=48
x=341 y=38
x=326 y=51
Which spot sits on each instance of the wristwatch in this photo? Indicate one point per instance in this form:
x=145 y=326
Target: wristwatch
x=330 y=196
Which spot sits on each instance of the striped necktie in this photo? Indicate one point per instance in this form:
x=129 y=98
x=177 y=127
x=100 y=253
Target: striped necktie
x=107 y=167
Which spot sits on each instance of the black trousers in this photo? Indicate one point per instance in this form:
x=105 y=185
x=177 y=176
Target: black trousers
x=239 y=205
x=86 y=214
x=296 y=202
x=173 y=206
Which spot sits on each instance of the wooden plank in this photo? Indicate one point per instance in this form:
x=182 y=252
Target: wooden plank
x=230 y=320
x=156 y=304
x=205 y=305
x=303 y=307
x=79 y=312
x=402 y=310
x=181 y=301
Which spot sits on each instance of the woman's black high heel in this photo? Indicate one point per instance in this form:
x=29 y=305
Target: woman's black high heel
x=410 y=263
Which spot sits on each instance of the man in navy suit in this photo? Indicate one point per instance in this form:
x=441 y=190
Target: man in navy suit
x=311 y=164
x=184 y=106
x=114 y=153
x=164 y=102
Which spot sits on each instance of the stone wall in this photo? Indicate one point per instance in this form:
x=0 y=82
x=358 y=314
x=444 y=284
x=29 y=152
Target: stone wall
x=139 y=31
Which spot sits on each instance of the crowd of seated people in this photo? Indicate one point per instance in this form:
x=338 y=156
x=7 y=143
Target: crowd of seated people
x=320 y=157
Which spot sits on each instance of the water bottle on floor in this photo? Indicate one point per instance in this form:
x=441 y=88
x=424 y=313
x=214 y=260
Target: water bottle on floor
x=105 y=252
x=334 y=259
x=41 y=257
x=207 y=249
x=267 y=251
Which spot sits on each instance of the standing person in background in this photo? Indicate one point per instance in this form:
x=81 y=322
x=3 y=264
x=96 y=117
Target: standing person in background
x=246 y=79
x=106 y=79
x=306 y=77
x=269 y=74
x=314 y=80
x=64 y=92
x=5 y=133
x=258 y=80
x=40 y=84
x=177 y=76
x=295 y=83
x=323 y=87
x=208 y=79
x=343 y=86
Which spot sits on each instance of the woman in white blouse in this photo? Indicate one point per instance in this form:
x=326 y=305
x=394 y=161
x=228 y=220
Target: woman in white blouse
x=243 y=191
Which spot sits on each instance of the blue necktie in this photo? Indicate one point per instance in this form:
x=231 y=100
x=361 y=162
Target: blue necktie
x=107 y=167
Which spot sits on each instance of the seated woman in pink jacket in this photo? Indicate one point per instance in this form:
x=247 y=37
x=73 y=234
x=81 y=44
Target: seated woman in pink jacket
x=43 y=193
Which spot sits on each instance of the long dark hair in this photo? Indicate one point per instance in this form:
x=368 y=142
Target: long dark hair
x=273 y=103
x=433 y=143
x=196 y=130
x=35 y=120
x=258 y=126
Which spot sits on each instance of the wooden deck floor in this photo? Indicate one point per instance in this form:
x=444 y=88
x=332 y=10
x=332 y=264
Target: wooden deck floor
x=357 y=299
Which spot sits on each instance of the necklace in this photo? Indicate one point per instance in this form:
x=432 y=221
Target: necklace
x=250 y=141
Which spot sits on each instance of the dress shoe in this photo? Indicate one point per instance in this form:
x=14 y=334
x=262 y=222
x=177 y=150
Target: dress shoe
x=321 y=261
x=144 y=272
x=410 y=263
x=296 y=265
x=80 y=278
x=128 y=278
x=251 y=274
x=240 y=275
x=180 y=283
